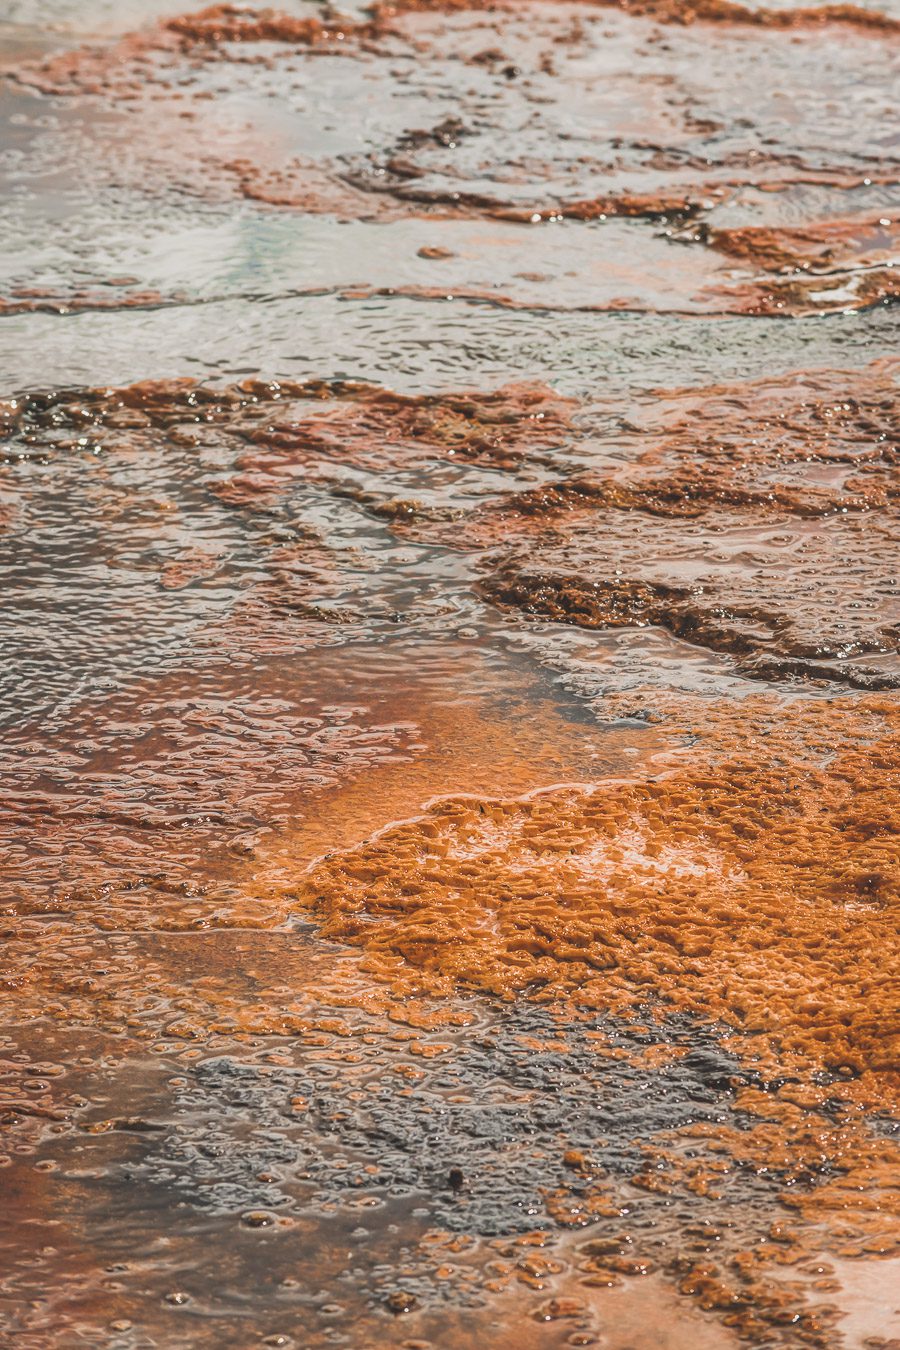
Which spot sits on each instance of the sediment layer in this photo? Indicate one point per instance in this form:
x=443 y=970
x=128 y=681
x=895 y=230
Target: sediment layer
x=449 y=824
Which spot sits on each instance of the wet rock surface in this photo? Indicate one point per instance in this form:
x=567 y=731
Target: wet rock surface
x=480 y=1099
x=448 y=530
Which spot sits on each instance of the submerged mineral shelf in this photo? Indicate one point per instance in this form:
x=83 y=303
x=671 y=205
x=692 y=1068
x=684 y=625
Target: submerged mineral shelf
x=449 y=669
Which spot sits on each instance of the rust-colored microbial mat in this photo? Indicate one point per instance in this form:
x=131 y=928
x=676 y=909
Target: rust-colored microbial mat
x=449 y=675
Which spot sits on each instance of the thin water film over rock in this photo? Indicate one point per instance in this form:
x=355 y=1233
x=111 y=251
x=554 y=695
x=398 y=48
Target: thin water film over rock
x=450 y=669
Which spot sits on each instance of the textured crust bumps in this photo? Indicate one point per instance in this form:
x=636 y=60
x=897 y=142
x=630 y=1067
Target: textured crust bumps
x=755 y=890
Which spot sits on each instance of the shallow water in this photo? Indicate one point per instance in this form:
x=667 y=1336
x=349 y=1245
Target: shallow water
x=448 y=676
